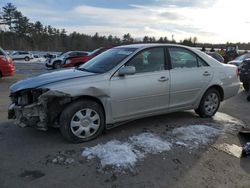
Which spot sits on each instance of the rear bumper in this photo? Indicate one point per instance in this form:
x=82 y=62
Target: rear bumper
x=231 y=90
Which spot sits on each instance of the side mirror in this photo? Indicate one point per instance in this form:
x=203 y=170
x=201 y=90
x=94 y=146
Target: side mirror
x=127 y=70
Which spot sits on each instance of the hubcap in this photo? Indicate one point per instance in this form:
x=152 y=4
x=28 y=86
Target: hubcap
x=85 y=123
x=211 y=103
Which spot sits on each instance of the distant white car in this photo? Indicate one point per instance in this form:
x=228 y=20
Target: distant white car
x=57 y=62
x=18 y=55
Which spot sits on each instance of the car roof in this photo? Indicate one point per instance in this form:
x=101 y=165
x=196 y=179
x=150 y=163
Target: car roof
x=148 y=45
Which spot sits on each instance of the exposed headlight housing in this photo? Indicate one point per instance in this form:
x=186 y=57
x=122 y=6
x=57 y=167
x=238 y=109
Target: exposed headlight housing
x=27 y=97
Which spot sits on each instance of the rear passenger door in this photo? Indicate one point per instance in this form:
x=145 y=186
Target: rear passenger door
x=190 y=76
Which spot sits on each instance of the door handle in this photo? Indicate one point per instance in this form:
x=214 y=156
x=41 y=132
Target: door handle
x=163 y=79
x=206 y=73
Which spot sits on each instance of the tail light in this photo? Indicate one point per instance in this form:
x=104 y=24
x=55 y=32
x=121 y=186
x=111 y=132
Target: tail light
x=237 y=72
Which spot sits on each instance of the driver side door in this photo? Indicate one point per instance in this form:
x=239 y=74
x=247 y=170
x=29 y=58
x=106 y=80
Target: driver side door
x=145 y=92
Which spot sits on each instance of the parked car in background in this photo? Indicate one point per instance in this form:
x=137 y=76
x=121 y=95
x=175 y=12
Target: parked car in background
x=238 y=60
x=124 y=83
x=244 y=72
x=7 y=67
x=57 y=62
x=19 y=55
x=216 y=56
x=76 y=61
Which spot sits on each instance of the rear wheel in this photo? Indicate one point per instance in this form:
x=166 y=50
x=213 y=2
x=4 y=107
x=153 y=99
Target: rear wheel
x=209 y=104
x=82 y=121
x=246 y=85
x=26 y=58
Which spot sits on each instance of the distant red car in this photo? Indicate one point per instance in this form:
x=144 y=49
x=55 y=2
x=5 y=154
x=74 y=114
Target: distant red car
x=76 y=61
x=7 y=67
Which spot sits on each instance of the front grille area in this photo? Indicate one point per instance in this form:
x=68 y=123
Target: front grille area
x=26 y=97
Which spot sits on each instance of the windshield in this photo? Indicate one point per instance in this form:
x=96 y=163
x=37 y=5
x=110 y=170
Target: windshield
x=242 y=57
x=64 y=54
x=107 y=60
x=2 y=52
x=96 y=50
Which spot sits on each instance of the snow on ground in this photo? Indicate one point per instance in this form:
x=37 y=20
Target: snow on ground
x=125 y=154
x=193 y=136
x=150 y=143
x=114 y=153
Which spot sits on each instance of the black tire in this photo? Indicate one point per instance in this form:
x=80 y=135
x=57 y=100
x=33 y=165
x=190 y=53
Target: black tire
x=69 y=113
x=26 y=58
x=202 y=109
x=57 y=65
x=246 y=86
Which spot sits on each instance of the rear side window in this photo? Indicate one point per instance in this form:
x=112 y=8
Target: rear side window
x=82 y=53
x=182 y=58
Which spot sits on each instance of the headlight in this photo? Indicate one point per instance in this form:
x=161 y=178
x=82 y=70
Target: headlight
x=68 y=61
x=36 y=93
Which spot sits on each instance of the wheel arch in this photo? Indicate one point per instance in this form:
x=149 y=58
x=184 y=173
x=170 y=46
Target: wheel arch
x=219 y=89
x=91 y=98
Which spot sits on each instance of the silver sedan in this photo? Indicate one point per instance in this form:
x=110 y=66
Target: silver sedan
x=123 y=83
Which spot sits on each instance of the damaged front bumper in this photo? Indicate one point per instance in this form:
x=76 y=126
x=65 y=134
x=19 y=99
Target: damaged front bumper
x=33 y=115
x=37 y=112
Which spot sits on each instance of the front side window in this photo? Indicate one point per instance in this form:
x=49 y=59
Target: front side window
x=182 y=58
x=148 y=60
x=107 y=60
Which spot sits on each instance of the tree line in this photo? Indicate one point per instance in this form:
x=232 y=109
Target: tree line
x=17 y=32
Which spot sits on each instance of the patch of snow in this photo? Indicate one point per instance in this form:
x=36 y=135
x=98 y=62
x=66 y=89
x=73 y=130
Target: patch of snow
x=113 y=153
x=195 y=135
x=124 y=155
x=150 y=143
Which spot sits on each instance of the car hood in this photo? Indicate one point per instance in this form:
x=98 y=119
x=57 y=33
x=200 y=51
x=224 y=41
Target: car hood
x=48 y=78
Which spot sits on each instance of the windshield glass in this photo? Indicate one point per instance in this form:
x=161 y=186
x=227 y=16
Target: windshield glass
x=107 y=60
x=93 y=52
x=2 y=52
x=64 y=54
x=240 y=58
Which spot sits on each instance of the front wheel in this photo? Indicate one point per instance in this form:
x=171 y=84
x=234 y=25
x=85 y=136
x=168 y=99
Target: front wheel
x=57 y=65
x=209 y=104
x=82 y=121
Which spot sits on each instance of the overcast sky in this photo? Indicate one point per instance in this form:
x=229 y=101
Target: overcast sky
x=210 y=20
